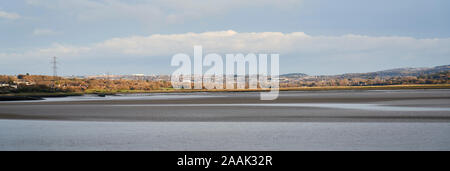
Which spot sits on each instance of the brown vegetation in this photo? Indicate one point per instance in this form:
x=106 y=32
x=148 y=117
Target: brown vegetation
x=333 y=81
x=48 y=84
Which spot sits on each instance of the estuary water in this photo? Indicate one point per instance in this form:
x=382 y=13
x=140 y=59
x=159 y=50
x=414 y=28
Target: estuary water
x=324 y=120
x=73 y=135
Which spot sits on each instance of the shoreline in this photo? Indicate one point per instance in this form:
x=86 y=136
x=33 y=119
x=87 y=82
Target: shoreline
x=385 y=87
x=34 y=96
x=40 y=96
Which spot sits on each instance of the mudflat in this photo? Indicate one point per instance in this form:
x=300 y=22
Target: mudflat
x=291 y=106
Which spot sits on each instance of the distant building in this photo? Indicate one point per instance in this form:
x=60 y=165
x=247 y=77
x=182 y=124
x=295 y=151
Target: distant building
x=8 y=86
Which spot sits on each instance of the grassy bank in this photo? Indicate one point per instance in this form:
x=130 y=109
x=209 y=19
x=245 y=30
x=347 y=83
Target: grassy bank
x=39 y=94
x=387 y=87
x=34 y=96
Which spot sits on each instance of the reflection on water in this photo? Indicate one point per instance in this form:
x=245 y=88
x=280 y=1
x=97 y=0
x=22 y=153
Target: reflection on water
x=161 y=96
x=319 y=105
x=126 y=97
x=76 y=135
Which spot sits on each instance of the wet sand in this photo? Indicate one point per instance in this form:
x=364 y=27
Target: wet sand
x=325 y=120
x=292 y=106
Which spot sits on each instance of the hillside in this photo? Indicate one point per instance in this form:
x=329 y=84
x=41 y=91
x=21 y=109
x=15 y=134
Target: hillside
x=294 y=75
x=399 y=72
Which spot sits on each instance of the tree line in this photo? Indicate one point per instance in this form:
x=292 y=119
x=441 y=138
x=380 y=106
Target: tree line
x=42 y=83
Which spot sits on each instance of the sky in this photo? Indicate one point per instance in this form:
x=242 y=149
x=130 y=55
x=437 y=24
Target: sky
x=316 y=37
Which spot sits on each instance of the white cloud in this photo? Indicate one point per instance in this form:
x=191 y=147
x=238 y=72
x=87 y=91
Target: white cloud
x=44 y=32
x=8 y=15
x=346 y=47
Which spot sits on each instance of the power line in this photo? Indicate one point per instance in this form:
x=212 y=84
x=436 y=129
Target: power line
x=55 y=67
x=54 y=63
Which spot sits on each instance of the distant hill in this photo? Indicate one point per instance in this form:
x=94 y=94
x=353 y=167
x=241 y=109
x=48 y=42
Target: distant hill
x=294 y=75
x=399 y=72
